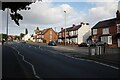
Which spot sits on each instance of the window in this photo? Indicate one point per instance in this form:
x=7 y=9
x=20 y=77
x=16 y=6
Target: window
x=71 y=33
x=118 y=28
x=50 y=32
x=104 y=39
x=74 y=32
x=94 y=31
x=74 y=40
x=50 y=35
x=42 y=36
x=106 y=31
x=67 y=34
x=107 y=39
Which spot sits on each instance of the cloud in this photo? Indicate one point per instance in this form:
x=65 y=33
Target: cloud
x=45 y=13
x=101 y=11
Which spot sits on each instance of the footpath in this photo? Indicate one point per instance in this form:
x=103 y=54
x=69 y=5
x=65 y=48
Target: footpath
x=111 y=57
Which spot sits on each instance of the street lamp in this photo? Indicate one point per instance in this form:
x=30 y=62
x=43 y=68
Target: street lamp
x=7 y=24
x=65 y=27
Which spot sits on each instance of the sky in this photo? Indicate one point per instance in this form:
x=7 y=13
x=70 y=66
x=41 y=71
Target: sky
x=50 y=14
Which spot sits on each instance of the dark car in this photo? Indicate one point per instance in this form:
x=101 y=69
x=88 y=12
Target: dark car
x=23 y=42
x=52 y=43
x=83 y=45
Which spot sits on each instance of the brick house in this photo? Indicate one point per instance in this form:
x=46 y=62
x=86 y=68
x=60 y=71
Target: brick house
x=75 y=34
x=45 y=35
x=107 y=31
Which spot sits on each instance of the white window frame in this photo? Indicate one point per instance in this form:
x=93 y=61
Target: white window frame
x=50 y=32
x=94 y=31
x=104 y=39
x=105 y=31
x=109 y=39
x=118 y=28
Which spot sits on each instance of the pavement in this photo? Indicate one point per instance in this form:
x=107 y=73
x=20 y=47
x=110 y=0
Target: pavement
x=111 y=57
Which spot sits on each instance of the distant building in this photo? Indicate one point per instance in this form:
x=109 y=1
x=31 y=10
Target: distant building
x=75 y=34
x=45 y=35
x=26 y=37
x=108 y=31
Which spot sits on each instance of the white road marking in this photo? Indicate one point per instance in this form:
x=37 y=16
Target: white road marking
x=87 y=60
x=34 y=72
x=93 y=61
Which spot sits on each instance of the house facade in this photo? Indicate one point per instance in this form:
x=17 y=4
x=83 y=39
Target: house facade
x=26 y=37
x=45 y=35
x=75 y=34
x=107 y=31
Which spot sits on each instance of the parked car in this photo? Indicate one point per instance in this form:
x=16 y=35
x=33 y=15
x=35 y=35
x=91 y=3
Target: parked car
x=52 y=43
x=22 y=42
x=83 y=45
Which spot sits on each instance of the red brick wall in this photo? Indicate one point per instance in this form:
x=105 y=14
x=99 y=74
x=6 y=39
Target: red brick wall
x=47 y=36
x=113 y=30
x=99 y=31
x=118 y=22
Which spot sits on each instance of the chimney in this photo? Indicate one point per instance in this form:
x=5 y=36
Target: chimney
x=61 y=29
x=73 y=25
x=117 y=14
x=87 y=23
x=82 y=23
x=118 y=11
x=119 y=6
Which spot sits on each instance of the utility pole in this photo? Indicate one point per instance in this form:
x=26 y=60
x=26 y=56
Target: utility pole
x=7 y=25
x=65 y=27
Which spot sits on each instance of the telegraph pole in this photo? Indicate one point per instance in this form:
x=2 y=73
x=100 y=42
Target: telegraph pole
x=7 y=25
x=65 y=27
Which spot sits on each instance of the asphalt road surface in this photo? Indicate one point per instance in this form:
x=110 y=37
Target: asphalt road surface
x=42 y=61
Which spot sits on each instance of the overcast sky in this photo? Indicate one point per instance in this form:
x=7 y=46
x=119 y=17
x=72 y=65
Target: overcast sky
x=50 y=13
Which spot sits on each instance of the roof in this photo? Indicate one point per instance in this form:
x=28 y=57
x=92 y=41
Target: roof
x=71 y=28
x=105 y=23
x=43 y=31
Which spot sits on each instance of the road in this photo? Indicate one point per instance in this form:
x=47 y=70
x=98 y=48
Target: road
x=42 y=61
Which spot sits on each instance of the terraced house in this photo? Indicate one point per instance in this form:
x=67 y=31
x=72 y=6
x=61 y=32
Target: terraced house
x=108 y=31
x=75 y=34
x=45 y=35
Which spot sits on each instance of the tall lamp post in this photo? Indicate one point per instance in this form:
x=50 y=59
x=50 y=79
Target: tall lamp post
x=7 y=24
x=65 y=27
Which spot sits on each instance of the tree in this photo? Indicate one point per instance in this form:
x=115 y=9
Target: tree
x=15 y=7
x=4 y=36
x=26 y=31
x=17 y=37
x=21 y=35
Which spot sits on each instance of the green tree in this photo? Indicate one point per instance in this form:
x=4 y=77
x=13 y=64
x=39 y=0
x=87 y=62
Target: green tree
x=15 y=7
x=17 y=37
x=4 y=36
x=21 y=35
x=26 y=31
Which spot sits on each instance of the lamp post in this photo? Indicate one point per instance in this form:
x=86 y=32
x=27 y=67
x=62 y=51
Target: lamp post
x=7 y=24
x=65 y=27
